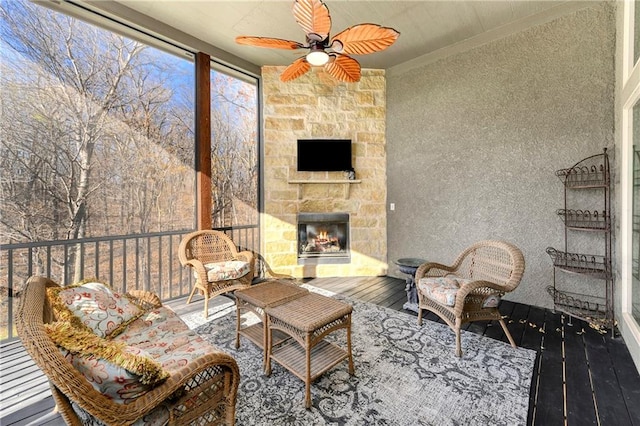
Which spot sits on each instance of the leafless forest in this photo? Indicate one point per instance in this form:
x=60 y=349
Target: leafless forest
x=97 y=136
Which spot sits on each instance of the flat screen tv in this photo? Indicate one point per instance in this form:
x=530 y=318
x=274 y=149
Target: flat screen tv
x=324 y=155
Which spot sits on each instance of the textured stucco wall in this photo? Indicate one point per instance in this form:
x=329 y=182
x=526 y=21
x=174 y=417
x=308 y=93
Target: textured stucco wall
x=474 y=140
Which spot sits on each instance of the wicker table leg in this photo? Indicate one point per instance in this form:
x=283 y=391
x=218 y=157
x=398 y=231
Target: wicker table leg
x=307 y=380
x=237 y=324
x=267 y=350
x=352 y=370
x=241 y=305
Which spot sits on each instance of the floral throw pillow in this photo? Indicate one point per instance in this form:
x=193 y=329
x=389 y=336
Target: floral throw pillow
x=94 y=306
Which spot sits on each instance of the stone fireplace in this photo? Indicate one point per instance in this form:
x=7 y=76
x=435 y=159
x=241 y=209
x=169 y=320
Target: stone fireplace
x=323 y=238
x=315 y=106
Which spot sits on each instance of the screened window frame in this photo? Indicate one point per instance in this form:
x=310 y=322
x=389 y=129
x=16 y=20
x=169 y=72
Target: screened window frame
x=106 y=15
x=629 y=96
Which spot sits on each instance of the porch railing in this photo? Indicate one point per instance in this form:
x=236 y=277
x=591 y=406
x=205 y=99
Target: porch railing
x=142 y=261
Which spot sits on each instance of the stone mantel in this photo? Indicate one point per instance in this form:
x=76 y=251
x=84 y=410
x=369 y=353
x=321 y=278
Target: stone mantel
x=345 y=182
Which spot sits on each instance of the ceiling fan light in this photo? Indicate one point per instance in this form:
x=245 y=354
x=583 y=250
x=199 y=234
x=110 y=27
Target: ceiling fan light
x=317 y=57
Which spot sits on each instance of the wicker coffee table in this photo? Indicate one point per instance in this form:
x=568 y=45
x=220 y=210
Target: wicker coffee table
x=308 y=320
x=255 y=299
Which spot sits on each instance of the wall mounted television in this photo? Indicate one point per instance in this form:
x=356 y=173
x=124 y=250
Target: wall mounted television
x=324 y=155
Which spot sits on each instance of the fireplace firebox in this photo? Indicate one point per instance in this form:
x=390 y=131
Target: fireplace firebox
x=323 y=238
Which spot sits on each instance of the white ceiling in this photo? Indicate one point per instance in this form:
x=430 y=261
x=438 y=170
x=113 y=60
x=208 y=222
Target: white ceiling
x=425 y=26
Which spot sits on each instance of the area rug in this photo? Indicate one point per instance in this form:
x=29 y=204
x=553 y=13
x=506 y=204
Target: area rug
x=405 y=375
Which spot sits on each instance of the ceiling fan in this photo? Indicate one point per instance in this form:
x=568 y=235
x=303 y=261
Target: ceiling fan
x=313 y=16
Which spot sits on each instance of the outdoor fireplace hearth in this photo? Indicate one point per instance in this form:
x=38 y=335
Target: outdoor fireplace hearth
x=323 y=238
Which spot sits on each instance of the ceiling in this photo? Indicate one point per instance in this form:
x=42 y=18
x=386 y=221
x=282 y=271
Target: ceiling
x=425 y=26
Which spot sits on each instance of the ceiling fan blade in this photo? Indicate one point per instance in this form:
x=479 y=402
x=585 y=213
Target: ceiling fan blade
x=343 y=68
x=364 y=38
x=273 y=43
x=313 y=16
x=299 y=67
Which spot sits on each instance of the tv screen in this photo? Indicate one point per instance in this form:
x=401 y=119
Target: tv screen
x=324 y=155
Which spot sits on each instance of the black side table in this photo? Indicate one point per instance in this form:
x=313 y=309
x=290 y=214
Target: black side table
x=409 y=266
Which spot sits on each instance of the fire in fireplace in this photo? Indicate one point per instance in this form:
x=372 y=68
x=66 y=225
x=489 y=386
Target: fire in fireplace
x=323 y=238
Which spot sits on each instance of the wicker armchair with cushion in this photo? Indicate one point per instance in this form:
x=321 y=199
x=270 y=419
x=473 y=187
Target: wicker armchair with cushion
x=471 y=288
x=122 y=359
x=217 y=264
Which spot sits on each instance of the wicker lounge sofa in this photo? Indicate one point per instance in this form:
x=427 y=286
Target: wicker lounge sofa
x=148 y=368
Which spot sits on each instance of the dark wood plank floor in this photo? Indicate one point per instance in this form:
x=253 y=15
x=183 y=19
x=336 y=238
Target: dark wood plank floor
x=581 y=377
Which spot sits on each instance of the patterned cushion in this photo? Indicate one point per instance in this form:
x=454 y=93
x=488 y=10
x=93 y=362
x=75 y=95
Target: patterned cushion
x=114 y=369
x=185 y=349
x=166 y=339
x=441 y=289
x=444 y=290
x=111 y=380
x=152 y=326
x=230 y=270
x=95 y=306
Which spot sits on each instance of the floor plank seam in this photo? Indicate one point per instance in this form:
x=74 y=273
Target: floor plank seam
x=593 y=391
x=534 y=405
x=564 y=370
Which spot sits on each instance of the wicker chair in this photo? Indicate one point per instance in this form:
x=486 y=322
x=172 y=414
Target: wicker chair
x=203 y=394
x=200 y=249
x=470 y=289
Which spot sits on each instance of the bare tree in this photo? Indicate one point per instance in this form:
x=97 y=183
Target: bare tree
x=233 y=152
x=71 y=92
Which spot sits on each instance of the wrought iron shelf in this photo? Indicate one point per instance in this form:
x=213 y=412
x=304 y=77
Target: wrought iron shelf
x=591 y=309
x=578 y=263
x=581 y=177
x=590 y=173
x=585 y=220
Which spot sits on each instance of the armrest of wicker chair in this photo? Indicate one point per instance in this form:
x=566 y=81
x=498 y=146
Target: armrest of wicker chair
x=248 y=256
x=199 y=270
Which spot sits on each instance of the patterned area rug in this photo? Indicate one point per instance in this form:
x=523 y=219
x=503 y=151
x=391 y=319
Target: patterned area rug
x=405 y=375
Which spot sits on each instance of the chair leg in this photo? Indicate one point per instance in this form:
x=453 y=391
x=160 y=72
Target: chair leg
x=238 y=329
x=458 y=344
x=206 y=304
x=193 y=291
x=506 y=331
x=419 y=315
